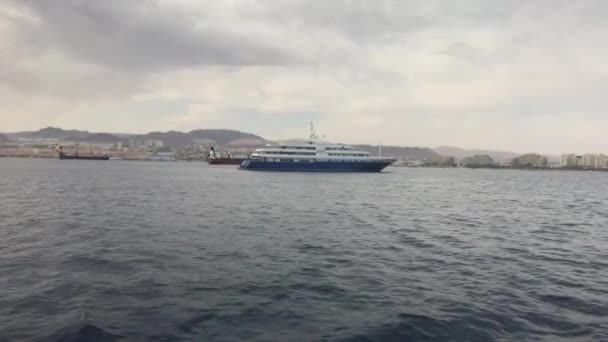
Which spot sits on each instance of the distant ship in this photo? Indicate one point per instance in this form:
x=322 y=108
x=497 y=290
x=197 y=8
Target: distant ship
x=314 y=157
x=213 y=159
x=76 y=156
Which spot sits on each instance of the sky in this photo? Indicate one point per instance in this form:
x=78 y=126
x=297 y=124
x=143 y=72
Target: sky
x=526 y=76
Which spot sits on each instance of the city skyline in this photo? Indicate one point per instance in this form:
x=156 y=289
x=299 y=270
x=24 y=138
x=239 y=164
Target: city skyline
x=445 y=150
x=511 y=76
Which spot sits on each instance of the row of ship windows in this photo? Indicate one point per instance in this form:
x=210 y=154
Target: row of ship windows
x=298 y=147
x=305 y=160
x=313 y=153
x=289 y=160
x=347 y=155
x=341 y=148
x=282 y=152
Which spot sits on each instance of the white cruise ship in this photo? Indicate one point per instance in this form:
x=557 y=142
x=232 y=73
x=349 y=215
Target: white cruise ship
x=313 y=156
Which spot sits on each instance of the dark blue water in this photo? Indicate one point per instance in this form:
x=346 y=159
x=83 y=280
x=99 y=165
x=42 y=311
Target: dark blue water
x=136 y=251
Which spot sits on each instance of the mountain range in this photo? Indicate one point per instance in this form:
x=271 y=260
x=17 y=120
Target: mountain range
x=233 y=138
x=173 y=139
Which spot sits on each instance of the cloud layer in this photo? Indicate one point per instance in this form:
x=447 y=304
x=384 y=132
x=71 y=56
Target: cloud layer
x=519 y=75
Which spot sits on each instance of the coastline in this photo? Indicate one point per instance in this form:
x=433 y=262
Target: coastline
x=569 y=169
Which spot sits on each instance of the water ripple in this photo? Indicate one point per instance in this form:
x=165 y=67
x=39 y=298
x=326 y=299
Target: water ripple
x=184 y=251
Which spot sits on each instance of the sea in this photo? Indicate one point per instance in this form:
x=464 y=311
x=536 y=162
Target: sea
x=185 y=251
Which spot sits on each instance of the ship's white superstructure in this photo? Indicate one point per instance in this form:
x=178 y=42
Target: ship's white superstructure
x=311 y=151
x=314 y=156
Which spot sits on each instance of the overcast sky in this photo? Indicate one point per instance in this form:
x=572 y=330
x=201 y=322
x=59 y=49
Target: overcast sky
x=513 y=75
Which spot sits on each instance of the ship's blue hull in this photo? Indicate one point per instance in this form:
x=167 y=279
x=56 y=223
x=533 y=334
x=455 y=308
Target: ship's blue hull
x=316 y=166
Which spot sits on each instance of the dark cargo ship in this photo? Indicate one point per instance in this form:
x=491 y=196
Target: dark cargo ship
x=76 y=156
x=212 y=159
x=225 y=161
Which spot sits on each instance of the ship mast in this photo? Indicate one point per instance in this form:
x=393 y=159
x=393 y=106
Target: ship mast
x=313 y=136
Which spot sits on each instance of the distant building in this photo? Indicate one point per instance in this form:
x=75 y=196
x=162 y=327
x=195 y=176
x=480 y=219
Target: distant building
x=602 y=162
x=410 y=163
x=530 y=160
x=478 y=160
x=135 y=142
x=442 y=161
x=571 y=160
x=117 y=146
x=586 y=161
x=162 y=156
x=447 y=161
x=589 y=161
x=154 y=143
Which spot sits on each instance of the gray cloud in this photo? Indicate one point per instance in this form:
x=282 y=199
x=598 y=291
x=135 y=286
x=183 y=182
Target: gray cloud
x=140 y=35
x=361 y=21
x=409 y=72
x=380 y=20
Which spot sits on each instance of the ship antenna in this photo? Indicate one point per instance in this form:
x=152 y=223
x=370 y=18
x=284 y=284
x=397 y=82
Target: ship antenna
x=313 y=135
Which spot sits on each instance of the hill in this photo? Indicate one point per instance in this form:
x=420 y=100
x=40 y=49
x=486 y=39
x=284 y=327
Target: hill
x=98 y=138
x=221 y=137
x=459 y=153
x=224 y=137
x=54 y=133
x=4 y=138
